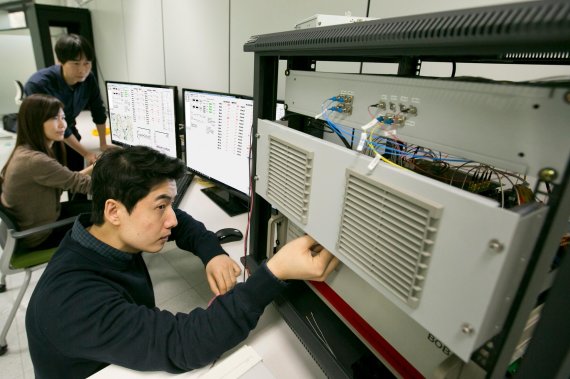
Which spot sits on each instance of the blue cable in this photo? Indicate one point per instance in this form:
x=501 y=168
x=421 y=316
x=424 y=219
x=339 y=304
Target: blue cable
x=340 y=130
x=329 y=122
x=415 y=156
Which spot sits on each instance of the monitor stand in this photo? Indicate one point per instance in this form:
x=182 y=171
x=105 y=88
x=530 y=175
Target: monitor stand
x=232 y=204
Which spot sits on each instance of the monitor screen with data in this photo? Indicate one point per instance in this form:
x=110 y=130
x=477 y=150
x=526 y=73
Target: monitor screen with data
x=144 y=114
x=217 y=144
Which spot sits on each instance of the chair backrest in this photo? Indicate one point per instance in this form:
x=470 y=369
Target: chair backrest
x=8 y=244
x=6 y=223
x=14 y=255
x=19 y=92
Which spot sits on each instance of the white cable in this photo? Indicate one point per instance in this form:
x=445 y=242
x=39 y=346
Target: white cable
x=372 y=122
x=373 y=163
x=363 y=137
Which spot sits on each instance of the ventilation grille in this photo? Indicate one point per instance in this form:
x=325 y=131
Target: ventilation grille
x=551 y=55
x=389 y=235
x=289 y=178
x=544 y=23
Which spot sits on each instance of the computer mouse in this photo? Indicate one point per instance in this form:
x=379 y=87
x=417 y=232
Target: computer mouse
x=228 y=235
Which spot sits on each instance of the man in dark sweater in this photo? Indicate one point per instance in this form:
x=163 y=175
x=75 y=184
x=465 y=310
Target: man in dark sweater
x=94 y=304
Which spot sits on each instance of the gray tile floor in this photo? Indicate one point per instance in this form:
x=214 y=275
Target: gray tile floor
x=179 y=286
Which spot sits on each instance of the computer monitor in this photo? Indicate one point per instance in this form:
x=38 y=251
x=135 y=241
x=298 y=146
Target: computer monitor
x=144 y=114
x=217 y=145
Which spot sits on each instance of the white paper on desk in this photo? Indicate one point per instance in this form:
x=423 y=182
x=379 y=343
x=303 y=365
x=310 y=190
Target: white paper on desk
x=4 y=134
x=231 y=367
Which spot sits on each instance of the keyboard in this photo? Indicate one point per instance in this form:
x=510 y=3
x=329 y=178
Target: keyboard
x=182 y=185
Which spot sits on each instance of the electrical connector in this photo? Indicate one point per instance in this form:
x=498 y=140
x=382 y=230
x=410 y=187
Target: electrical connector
x=343 y=103
x=409 y=109
x=346 y=108
x=341 y=108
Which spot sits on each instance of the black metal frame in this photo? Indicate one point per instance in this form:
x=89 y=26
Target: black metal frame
x=523 y=33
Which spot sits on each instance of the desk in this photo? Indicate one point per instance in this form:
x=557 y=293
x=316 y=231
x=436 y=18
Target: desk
x=86 y=127
x=7 y=143
x=281 y=351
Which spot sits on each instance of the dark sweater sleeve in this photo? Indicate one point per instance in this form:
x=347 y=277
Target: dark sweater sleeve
x=98 y=111
x=31 y=88
x=95 y=322
x=38 y=83
x=191 y=235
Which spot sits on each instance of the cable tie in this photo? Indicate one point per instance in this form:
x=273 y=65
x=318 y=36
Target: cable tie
x=374 y=162
x=389 y=133
x=363 y=137
x=370 y=124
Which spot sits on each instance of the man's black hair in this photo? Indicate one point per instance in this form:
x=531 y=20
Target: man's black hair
x=128 y=175
x=70 y=47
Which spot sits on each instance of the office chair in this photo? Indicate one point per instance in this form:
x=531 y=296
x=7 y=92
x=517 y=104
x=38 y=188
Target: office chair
x=15 y=258
x=19 y=92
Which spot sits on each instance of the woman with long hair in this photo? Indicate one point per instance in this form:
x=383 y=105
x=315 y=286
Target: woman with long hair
x=35 y=175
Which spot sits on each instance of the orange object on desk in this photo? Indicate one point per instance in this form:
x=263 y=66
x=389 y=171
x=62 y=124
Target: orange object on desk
x=95 y=132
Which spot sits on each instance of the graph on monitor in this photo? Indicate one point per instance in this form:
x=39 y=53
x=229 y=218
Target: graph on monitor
x=144 y=114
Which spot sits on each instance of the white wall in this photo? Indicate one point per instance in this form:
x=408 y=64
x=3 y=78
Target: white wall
x=110 y=40
x=251 y=17
x=387 y=9
x=128 y=36
x=199 y=42
x=17 y=59
x=17 y=63
x=196 y=36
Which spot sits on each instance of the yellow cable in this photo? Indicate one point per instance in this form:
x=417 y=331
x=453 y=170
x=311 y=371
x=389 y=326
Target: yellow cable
x=371 y=146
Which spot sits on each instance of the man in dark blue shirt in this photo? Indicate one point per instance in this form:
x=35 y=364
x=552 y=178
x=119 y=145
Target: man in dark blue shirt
x=73 y=83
